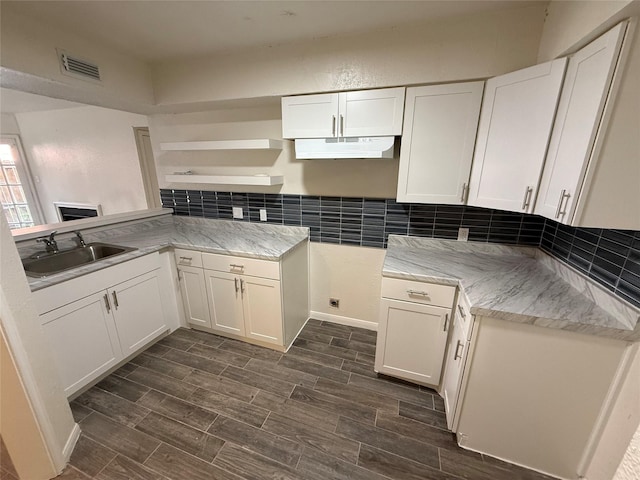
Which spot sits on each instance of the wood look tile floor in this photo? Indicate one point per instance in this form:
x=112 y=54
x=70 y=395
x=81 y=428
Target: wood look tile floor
x=199 y=406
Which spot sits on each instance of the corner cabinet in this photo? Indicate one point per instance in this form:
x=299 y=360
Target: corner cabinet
x=584 y=95
x=260 y=301
x=517 y=116
x=94 y=322
x=366 y=113
x=440 y=125
x=413 y=330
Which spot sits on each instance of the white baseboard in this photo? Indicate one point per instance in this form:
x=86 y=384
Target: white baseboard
x=352 y=322
x=71 y=442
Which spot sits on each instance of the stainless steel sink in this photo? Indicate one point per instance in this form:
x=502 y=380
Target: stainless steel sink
x=66 y=260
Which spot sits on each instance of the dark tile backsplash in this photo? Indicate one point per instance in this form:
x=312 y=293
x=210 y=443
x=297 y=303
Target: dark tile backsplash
x=609 y=257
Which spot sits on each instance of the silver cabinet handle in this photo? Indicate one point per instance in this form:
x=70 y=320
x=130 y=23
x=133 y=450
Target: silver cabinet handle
x=465 y=190
x=342 y=125
x=115 y=299
x=235 y=280
x=333 y=125
x=418 y=292
x=235 y=265
x=527 y=197
x=106 y=302
x=242 y=285
x=186 y=259
x=446 y=321
x=458 y=352
x=462 y=312
x=563 y=195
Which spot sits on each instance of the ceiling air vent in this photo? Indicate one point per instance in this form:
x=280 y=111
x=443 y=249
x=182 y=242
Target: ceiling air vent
x=78 y=67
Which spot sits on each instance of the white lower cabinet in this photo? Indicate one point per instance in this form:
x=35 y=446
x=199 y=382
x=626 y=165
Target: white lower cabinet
x=245 y=306
x=194 y=296
x=259 y=301
x=225 y=302
x=84 y=340
x=91 y=331
x=137 y=311
x=456 y=360
x=413 y=330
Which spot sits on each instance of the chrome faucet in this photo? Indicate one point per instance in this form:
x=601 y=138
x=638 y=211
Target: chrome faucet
x=79 y=239
x=50 y=242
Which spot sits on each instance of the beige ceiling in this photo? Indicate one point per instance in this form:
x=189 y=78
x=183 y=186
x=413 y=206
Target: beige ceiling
x=161 y=30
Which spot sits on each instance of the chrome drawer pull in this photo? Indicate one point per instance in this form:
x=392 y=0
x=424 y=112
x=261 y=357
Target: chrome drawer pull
x=186 y=259
x=235 y=280
x=462 y=312
x=446 y=321
x=458 y=353
x=233 y=265
x=418 y=292
x=106 y=302
x=115 y=299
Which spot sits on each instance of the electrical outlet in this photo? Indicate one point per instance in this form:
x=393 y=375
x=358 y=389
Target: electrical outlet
x=463 y=234
x=263 y=214
x=334 y=302
x=237 y=212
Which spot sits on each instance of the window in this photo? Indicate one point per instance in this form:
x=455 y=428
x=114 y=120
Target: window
x=16 y=195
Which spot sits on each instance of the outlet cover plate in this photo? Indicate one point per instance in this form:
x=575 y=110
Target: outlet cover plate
x=237 y=212
x=263 y=214
x=463 y=234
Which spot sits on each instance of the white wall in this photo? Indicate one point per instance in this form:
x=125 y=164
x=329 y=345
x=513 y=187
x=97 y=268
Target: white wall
x=571 y=23
x=464 y=47
x=629 y=468
x=8 y=124
x=29 y=46
x=350 y=274
x=32 y=353
x=84 y=155
x=374 y=178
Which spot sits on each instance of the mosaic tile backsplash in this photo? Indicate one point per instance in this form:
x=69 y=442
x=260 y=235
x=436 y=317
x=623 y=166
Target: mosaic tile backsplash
x=609 y=257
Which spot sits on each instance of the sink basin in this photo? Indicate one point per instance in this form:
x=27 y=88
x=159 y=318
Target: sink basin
x=61 y=261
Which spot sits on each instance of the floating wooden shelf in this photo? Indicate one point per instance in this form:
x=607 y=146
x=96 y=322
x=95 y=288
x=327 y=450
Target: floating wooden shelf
x=267 y=180
x=252 y=144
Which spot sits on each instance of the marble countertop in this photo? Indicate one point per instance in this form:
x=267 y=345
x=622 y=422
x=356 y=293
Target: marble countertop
x=266 y=242
x=520 y=284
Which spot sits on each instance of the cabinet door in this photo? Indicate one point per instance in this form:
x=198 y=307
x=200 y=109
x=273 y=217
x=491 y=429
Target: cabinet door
x=440 y=125
x=137 y=310
x=517 y=115
x=310 y=116
x=411 y=341
x=584 y=94
x=225 y=302
x=83 y=340
x=456 y=356
x=194 y=296
x=262 y=308
x=371 y=113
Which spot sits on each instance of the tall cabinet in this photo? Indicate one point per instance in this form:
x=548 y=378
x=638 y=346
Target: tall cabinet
x=584 y=95
x=440 y=125
x=515 y=124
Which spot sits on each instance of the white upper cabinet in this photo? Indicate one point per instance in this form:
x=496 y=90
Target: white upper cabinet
x=368 y=113
x=515 y=124
x=440 y=126
x=582 y=102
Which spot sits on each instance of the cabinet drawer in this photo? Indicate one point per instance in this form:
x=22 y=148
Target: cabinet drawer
x=188 y=258
x=418 y=292
x=241 y=265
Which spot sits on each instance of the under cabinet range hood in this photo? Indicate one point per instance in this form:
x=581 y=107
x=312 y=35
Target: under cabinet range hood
x=334 y=148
